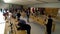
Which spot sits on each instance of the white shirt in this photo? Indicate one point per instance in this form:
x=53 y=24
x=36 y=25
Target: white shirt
x=24 y=19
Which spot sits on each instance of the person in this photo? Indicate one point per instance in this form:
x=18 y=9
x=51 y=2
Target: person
x=9 y=16
x=18 y=15
x=49 y=25
x=23 y=26
x=28 y=14
x=14 y=14
x=5 y=14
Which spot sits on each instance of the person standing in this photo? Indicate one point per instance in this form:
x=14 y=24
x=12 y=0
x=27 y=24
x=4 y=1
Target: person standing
x=28 y=14
x=49 y=25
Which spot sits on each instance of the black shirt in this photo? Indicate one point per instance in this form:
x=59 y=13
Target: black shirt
x=18 y=14
x=49 y=22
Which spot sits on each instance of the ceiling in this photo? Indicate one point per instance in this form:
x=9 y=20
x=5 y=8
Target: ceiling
x=26 y=2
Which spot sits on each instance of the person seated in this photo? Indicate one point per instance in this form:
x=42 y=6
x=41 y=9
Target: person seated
x=23 y=26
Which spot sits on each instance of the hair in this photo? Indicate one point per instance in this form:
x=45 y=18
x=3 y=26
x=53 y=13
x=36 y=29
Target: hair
x=49 y=16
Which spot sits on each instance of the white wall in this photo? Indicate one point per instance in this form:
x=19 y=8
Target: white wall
x=46 y=5
x=3 y=5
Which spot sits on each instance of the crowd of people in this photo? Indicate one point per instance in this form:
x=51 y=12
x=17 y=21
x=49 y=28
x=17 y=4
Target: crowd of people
x=20 y=16
x=24 y=23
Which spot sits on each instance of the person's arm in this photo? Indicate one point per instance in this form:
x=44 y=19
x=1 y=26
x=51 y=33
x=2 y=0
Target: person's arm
x=45 y=21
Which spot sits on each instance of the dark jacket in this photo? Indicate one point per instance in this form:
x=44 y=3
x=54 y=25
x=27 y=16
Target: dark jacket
x=49 y=22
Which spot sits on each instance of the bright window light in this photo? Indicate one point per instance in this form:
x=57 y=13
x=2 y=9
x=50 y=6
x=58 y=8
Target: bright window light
x=2 y=23
x=7 y=1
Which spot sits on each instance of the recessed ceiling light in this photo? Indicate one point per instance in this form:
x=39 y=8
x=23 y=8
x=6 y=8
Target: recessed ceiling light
x=7 y=1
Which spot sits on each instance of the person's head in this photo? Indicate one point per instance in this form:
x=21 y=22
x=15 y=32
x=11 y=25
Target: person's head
x=49 y=16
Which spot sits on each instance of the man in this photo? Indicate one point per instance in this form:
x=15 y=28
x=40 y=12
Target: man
x=49 y=25
x=23 y=26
